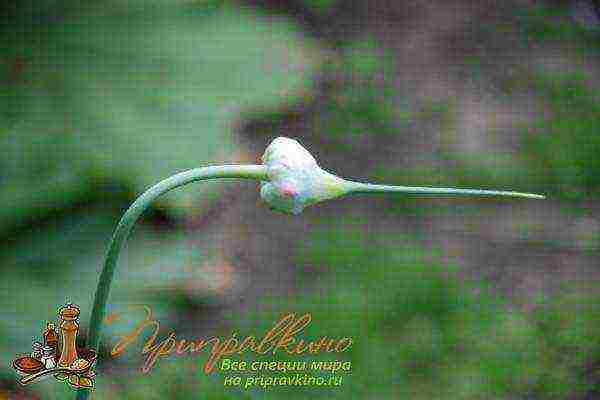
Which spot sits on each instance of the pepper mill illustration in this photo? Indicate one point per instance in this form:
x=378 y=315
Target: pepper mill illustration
x=68 y=334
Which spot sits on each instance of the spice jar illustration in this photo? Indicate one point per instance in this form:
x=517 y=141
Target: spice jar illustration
x=51 y=337
x=36 y=350
x=68 y=334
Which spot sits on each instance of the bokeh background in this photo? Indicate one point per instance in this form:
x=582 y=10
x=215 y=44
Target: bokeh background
x=460 y=298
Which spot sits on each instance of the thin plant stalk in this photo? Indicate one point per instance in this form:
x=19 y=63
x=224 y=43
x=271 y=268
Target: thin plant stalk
x=128 y=220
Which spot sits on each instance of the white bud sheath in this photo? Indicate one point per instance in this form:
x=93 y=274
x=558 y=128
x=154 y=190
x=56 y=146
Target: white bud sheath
x=296 y=181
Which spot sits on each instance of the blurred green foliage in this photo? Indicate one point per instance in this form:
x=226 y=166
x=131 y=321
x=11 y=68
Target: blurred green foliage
x=320 y=5
x=565 y=145
x=132 y=95
x=419 y=331
x=551 y=24
x=445 y=338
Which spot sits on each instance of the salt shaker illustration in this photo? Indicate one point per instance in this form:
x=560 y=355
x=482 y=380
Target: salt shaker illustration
x=68 y=334
x=48 y=357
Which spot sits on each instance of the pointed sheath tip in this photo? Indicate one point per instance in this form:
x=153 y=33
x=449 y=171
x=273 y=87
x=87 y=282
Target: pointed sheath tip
x=357 y=187
x=538 y=196
x=524 y=195
x=515 y=194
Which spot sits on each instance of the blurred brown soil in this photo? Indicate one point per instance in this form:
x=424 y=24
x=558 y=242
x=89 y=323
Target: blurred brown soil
x=429 y=42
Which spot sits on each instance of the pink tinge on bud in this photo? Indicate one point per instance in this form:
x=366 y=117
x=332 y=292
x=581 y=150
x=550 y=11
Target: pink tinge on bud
x=288 y=191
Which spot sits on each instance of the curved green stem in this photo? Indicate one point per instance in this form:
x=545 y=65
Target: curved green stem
x=358 y=187
x=256 y=172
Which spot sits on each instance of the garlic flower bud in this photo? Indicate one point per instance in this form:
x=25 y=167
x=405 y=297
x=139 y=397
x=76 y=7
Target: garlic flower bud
x=295 y=179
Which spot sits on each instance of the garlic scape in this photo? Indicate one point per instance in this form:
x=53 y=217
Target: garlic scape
x=290 y=179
